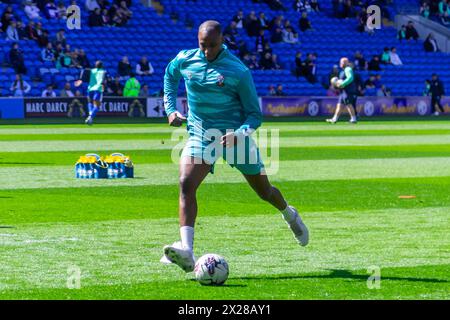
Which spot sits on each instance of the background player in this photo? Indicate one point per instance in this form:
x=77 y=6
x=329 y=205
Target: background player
x=348 y=94
x=221 y=95
x=96 y=78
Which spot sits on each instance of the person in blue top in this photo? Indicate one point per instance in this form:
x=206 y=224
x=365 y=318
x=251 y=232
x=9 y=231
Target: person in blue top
x=347 y=92
x=223 y=112
x=96 y=78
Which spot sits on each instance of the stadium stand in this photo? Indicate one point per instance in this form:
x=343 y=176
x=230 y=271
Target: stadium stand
x=161 y=36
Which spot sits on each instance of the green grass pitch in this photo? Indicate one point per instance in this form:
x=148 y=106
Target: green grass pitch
x=345 y=180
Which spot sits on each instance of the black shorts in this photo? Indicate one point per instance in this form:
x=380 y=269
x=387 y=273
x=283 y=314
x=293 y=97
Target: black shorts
x=348 y=99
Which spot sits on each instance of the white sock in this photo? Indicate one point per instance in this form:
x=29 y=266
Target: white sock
x=335 y=118
x=187 y=237
x=288 y=214
x=353 y=118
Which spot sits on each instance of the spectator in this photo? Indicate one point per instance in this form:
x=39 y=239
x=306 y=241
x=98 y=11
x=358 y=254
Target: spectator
x=260 y=42
x=144 y=93
x=411 y=31
x=266 y=62
x=124 y=67
x=383 y=91
x=239 y=19
x=144 y=67
x=304 y=22
x=386 y=56
x=377 y=81
x=62 y=10
x=132 y=87
x=48 y=54
x=360 y=62
x=427 y=89
x=64 y=60
x=263 y=22
x=61 y=38
x=43 y=39
x=444 y=11
x=95 y=18
x=242 y=49
x=275 y=5
x=347 y=9
x=289 y=36
x=374 y=64
x=425 y=10
x=277 y=35
x=21 y=31
x=231 y=29
x=310 y=68
x=32 y=10
x=48 y=93
x=106 y=19
x=230 y=41
x=83 y=60
x=115 y=88
x=299 y=65
x=19 y=87
x=370 y=83
x=91 y=5
x=122 y=15
x=252 y=25
x=272 y=91
x=279 y=91
x=401 y=35
x=246 y=60
x=67 y=91
x=276 y=64
x=267 y=48
x=362 y=20
x=299 y=6
x=430 y=44
x=436 y=91
x=254 y=64
x=17 y=60
x=395 y=59
x=31 y=31
x=11 y=32
x=315 y=5
x=51 y=11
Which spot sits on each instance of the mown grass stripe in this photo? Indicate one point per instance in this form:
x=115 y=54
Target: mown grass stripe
x=163 y=174
x=98 y=145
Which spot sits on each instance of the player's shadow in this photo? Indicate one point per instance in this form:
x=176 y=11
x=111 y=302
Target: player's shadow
x=342 y=274
x=7 y=227
x=225 y=285
x=4 y=197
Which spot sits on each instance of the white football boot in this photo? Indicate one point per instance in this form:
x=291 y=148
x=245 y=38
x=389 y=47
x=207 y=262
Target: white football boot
x=184 y=258
x=298 y=228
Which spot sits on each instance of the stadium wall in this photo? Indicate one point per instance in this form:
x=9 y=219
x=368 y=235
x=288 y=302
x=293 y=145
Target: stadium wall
x=19 y=108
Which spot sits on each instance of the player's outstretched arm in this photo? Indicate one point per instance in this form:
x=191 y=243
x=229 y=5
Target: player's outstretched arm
x=171 y=81
x=249 y=99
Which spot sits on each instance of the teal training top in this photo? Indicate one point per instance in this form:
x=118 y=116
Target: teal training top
x=221 y=94
x=96 y=79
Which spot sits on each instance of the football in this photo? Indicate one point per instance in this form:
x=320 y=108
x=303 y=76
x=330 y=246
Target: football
x=211 y=269
x=335 y=82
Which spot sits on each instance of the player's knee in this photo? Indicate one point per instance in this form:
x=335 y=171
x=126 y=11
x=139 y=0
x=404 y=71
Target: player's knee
x=187 y=185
